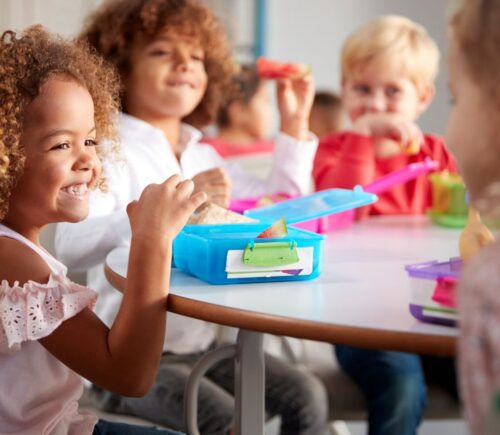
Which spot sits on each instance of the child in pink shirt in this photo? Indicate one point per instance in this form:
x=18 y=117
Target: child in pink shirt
x=57 y=101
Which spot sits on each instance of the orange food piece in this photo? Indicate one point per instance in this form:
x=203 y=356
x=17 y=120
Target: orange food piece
x=413 y=147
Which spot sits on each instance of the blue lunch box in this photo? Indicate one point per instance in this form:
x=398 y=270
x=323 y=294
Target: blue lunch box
x=231 y=253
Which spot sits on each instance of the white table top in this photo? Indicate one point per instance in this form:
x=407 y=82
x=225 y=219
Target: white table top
x=363 y=283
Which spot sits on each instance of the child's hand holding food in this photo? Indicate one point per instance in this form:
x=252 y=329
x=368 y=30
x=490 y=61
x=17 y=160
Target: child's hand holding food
x=216 y=184
x=295 y=93
x=163 y=209
x=393 y=133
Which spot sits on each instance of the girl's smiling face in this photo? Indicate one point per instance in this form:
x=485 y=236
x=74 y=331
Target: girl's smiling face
x=61 y=166
x=167 y=78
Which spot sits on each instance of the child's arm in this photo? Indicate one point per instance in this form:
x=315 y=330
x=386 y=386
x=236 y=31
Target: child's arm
x=125 y=358
x=292 y=162
x=295 y=146
x=295 y=98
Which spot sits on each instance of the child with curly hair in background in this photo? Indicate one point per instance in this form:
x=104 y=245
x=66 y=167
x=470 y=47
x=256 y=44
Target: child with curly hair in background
x=56 y=103
x=175 y=64
x=474 y=136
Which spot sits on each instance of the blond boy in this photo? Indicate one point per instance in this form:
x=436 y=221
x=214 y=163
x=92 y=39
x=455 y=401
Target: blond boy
x=388 y=71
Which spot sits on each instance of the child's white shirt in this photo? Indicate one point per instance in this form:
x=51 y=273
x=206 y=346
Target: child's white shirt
x=38 y=393
x=148 y=158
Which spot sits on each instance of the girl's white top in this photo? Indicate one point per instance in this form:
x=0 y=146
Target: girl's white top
x=38 y=393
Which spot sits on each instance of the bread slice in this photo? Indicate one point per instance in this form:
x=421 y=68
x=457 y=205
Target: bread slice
x=213 y=214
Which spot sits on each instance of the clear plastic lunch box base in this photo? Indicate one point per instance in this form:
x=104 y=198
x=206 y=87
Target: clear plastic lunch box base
x=432 y=291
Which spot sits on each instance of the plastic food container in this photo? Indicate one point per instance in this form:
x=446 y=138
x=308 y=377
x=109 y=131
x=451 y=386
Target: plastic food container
x=433 y=285
x=449 y=208
x=329 y=223
x=231 y=253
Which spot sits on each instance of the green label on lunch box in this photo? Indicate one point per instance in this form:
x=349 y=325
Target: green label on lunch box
x=270 y=253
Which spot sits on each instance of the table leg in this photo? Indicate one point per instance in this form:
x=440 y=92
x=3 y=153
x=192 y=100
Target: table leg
x=249 y=384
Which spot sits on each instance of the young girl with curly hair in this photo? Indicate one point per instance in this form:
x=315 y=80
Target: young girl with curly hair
x=56 y=103
x=175 y=65
x=474 y=135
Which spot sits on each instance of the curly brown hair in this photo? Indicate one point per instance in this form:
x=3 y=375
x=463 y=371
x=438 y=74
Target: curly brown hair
x=114 y=27
x=26 y=63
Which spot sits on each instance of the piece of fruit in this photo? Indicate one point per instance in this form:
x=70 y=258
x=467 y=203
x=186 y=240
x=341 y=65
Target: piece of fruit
x=275 y=231
x=474 y=236
x=412 y=148
x=272 y=69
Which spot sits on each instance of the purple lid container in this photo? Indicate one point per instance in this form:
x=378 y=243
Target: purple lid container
x=435 y=269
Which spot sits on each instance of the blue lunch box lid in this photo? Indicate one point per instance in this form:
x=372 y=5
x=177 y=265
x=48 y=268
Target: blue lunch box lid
x=435 y=269
x=313 y=206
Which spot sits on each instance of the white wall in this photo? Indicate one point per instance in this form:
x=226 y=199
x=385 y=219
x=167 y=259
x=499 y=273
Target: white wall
x=312 y=31
x=61 y=16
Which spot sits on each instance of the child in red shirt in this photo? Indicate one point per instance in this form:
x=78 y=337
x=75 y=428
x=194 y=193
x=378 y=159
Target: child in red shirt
x=387 y=83
x=388 y=69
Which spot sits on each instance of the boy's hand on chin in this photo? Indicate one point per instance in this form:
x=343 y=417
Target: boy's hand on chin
x=216 y=184
x=392 y=133
x=386 y=148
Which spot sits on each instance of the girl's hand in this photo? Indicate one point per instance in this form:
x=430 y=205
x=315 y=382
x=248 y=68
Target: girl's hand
x=163 y=209
x=393 y=134
x=216 y=184
x=295 y=98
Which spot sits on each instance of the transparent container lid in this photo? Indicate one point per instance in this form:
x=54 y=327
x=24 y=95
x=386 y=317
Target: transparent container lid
x=314 y=206
x=435 y=269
